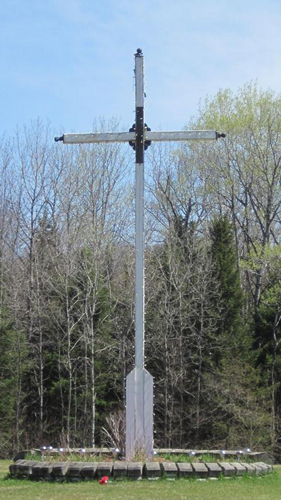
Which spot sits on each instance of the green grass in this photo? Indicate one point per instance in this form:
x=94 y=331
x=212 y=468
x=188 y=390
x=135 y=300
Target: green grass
x=187 y=458
x=76 y=457
x=67 y=457
x=206 y=457
x=247 y=488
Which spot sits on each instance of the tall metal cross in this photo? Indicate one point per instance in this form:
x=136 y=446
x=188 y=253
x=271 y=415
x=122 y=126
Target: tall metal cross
x=139 y=383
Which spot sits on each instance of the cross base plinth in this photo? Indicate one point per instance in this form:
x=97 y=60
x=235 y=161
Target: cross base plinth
x=139 y=414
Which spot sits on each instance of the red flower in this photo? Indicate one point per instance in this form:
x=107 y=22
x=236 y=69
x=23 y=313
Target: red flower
x=103 y=480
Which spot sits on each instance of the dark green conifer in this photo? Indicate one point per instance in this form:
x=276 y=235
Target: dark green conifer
x=226 y=277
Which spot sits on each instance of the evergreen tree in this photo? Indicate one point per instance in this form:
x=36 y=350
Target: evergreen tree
x=268 y=335
x=7 y=380
x=226 y=275
x=12 y=368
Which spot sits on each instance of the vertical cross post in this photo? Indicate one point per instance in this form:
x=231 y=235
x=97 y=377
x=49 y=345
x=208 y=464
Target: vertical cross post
x=139 y=210
x=139 y=383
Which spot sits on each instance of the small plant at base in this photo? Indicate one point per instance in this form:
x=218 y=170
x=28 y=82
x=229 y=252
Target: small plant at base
x=140 y=456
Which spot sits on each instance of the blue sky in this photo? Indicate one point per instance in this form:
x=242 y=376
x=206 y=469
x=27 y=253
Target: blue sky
x=71 y=61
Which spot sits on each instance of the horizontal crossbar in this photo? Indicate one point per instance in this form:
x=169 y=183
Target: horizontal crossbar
x=183 y=135
x=106 y=137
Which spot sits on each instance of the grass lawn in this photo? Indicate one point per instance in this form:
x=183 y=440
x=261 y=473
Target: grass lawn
x=264 y=488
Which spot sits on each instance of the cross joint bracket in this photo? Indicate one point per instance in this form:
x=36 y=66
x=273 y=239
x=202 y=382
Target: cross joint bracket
x=147 y=143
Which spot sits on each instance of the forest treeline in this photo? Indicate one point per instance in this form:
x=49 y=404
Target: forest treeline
x=213 y=284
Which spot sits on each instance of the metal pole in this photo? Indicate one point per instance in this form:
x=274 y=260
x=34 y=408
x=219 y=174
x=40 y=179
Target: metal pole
x=139 y=383
x=139 y=216
x=139 y=254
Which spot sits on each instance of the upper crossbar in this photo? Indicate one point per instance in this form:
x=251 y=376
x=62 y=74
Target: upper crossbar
x=183 y=135
x=106 y=137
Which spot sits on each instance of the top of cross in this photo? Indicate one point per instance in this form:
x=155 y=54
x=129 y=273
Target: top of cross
x=148 y=135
